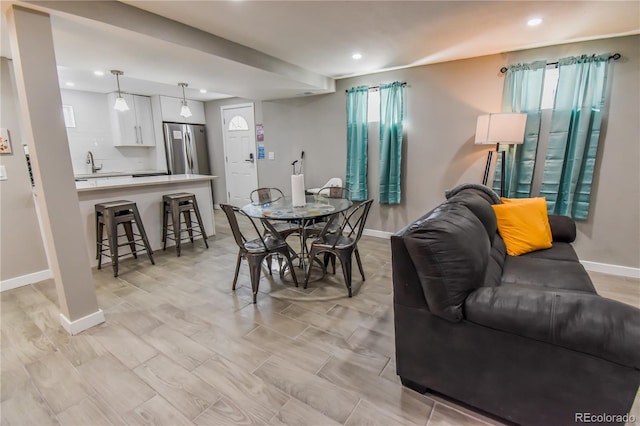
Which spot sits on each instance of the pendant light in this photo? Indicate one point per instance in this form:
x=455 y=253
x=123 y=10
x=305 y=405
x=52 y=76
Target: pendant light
x=184 y=110
x=121 y=103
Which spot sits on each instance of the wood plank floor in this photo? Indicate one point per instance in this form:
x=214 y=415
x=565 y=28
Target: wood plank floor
x=179 y=347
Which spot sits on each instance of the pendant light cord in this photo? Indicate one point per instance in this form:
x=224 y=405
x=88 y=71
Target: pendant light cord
x=118 y=73
x=184 y=97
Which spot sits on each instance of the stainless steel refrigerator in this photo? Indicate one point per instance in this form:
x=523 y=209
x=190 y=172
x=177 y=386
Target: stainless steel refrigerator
x=186 y=146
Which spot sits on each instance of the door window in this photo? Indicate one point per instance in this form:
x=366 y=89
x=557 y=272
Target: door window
x=237 y=124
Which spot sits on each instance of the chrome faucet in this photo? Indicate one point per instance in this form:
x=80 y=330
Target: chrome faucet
x=94 y=169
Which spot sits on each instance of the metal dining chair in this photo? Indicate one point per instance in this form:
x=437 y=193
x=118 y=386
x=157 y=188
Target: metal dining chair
x=265 y=195
x=257 y=249
x=271 y=195
x=335 y=181
x=314 y=229
x=344 y=243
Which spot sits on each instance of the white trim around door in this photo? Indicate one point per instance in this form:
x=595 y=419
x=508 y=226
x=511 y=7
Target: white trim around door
x=239 y=143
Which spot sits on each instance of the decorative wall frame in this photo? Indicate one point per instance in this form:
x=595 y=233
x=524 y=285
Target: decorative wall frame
x=69 y=116
x=5 y=142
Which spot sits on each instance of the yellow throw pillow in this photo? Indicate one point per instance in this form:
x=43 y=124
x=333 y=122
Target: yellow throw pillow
x=539 y=203
x=523 y=225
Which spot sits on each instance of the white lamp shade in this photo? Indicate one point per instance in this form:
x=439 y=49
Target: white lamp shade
x=505 y=127
x=185 y=111
x=121 y=104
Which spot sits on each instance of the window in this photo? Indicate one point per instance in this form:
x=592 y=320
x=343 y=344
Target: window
x=549 y=88
x=373 y=113
x=238 y=123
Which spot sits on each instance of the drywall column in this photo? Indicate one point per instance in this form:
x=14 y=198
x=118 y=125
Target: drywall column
x=41 y=110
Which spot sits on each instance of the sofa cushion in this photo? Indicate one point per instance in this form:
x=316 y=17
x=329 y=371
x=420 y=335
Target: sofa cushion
x=524 y=227
x=450 y=250
x=484 y=191
x=537 y=204
x=583 y=322
x=493 y=275
x=559 y=251
x=498 y=250
x=546 y=273
x=477 y=202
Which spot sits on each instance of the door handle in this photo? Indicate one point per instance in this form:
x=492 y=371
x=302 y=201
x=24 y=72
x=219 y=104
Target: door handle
x=140 y=130
x=251 y=159
x=191 y=150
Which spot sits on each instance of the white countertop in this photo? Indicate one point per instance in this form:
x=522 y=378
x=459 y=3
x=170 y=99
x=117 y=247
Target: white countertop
x=128 y=181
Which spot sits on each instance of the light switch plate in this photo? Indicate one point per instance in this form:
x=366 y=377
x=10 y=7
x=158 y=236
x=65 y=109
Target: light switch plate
x=3 y=173
x=272 y=155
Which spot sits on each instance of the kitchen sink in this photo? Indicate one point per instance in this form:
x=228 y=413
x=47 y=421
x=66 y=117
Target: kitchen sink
x=101 y=175
x=148 y=174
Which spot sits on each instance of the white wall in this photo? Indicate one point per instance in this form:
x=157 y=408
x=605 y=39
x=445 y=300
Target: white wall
x=443 y=102
x=22 y=251
x=93 y=133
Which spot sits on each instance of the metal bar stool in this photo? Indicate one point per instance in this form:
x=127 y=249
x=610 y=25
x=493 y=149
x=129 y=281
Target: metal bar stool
x=111 y=214
x=185 y=203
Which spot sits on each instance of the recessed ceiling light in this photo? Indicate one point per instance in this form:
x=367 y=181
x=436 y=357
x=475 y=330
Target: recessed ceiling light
x=70 y=84
x=534 y=21
x=357 y=56
x=98 y=73
x=203 y=90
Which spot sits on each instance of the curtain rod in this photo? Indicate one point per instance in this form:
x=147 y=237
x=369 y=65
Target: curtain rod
x=404 y=83
x=615 y=57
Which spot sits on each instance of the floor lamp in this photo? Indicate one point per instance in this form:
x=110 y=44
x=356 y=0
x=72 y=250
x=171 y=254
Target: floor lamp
x=499 y=128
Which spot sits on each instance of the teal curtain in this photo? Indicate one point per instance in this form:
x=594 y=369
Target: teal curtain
x=391 y=119
x=522 y=93
x=357 y=109
x=573 y=139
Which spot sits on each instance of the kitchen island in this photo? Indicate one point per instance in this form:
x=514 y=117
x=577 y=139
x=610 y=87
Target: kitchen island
x=146 y=192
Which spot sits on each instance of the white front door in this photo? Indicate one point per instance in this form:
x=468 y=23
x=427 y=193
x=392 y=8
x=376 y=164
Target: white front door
x=238 y=132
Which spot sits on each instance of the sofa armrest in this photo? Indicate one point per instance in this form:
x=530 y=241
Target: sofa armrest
x=563 y=228
x=582 y=322
x=407 y=290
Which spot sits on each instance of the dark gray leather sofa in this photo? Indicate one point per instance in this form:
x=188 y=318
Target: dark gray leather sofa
x=524 y=338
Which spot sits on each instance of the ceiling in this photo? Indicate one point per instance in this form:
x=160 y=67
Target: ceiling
x=318 y=37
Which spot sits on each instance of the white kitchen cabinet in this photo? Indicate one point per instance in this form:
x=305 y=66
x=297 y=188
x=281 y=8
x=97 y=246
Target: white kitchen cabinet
x=170 y=108
x=135 y=126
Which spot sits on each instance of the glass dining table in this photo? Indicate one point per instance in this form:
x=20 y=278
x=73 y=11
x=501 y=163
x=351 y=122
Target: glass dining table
x=315 y=208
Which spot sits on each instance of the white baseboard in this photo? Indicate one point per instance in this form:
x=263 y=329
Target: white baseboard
x=607 y=268
x=23 y=280
x=82 y=324
x=375 y=233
